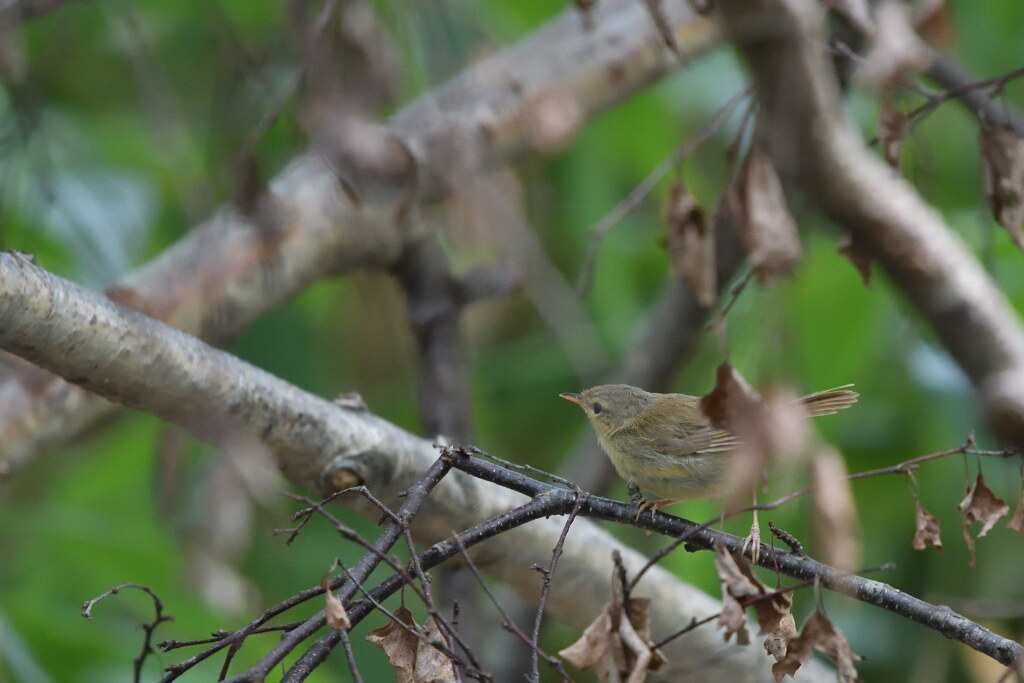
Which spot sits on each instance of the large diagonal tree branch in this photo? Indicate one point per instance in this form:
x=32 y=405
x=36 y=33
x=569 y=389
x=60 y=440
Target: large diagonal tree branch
x=817 y=152
x=323 y=447
x=235 y=267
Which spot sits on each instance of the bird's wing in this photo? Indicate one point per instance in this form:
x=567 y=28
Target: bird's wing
x=680 y=443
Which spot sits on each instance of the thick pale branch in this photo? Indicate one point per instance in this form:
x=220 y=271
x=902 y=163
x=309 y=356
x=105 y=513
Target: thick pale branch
x=817 y=151
x=235 y=267
x=129 y=358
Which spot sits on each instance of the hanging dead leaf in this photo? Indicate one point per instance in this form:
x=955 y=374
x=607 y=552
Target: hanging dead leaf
x=731 y=399
x=850 y=248
x=736 y=586
x=1002 y=157
x=763 y=427
x=431 y=663
x=768 y=232
x=971 y=550
x=818 y=632
x=935 y=24
x=892 y=129
x=1017 y=521
x=740 y=586
x=776 y=642
x=691 y=244
x=337 y=617
x=928 y=529
x=981 y=505
x=399 y=645
x=619 y=649
x=835 y=514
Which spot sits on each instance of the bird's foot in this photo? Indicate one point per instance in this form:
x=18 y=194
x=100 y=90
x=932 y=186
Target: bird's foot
x=653 y=505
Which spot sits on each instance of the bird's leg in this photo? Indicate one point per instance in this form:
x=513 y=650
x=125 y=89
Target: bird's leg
x=753 y=540
x=642 y=503
x=634 y=493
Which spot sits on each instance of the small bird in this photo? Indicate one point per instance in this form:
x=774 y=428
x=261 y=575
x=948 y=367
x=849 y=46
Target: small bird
x=666 y=444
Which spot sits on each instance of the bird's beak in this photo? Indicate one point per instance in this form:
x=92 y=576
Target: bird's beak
x=575 y=398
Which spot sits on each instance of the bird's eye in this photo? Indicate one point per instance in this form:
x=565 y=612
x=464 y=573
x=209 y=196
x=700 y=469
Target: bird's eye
x=598 y=408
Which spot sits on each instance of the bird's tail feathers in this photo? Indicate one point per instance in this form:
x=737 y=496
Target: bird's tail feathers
x=829 y=401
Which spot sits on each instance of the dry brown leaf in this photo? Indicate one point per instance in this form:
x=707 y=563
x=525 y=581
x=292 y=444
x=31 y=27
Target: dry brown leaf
x=739 y=586
x=1002 y=160
x=731 y=399
x=928 y=529
x=618 y=649
x=736 y=586
x=969 y=540
x=850 y=249
x=431 y=663
x=777 y=641
x=892 y=129
x=399 y=645
x=818 y=632
x=691 y=244
x=935 y=24
x=767 y=230
x=337 y=617
x=1017 y=521
x=835 y=514
x=765 y=427
x=981 y=505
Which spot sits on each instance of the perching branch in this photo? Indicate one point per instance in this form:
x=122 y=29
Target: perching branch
x=937 y=617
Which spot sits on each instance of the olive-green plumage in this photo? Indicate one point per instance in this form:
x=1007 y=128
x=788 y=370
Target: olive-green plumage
x=665 y=444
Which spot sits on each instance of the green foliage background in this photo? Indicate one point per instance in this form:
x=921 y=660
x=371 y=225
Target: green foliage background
x=98 y=174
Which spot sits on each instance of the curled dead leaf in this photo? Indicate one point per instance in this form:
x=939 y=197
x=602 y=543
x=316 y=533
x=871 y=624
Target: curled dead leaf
x=1017 y=521
x=818 y=632
x=981 y=505
x=1002 y=157
x=850 y=249
x=413 y=659
x=731 y=399
x=740 y=587
x=691 y=245
x=617 y=644
x=928 y=529
x=777 y=640
x=431 y=663
x=337 y=617
x=767 y=230
x=765 y=426
x=398 y=644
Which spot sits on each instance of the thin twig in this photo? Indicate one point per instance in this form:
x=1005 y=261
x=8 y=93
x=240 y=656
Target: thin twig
x=148 y=629
x=546 y=587
x=506 y=621
x=646 y=186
